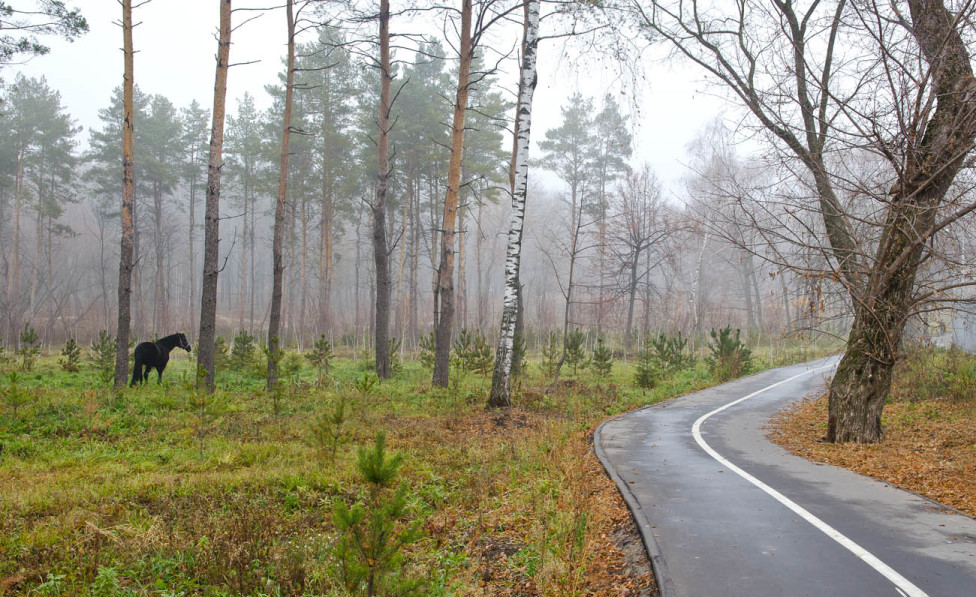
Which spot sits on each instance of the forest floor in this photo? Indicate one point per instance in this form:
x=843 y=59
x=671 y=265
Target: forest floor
x=162 y=490
x=929 y=422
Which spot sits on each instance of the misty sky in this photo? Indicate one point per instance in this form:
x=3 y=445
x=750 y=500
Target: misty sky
x=176 y=44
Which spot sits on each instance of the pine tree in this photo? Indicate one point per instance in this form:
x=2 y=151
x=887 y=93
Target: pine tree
x=70 y=356
x=602 y=358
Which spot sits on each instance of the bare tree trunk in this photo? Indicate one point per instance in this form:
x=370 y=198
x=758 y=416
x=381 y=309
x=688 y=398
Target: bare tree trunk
x=576 y=226
x=13 y=272
x=415 y=235
x=631 y=300
x=786 y=302
x=863 y=378
x=401 y=308
x=251 y=244
x=128 y=195
x=445 y=273
x=211 y=242
x=158 y=291
x=479 y=254
x=242 y=291
x=745 y=272
x=359 y=262
x=755 y=288
x=462 y=285
x=696 y=301
x=274 y=322
x=381 y=249
x=501 y=382
x=192 y=309
x=325 y=263
x=36 y=266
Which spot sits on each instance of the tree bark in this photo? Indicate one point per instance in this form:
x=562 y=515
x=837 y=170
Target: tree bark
x=325 y=264
x=274 y=321
x=501 y=382
x=241 y=292
x=159 y=303
x=211 y=242
x=381 y=250
x=193 y=259
x=445 y=273
x=128 y=196
x=863 y=378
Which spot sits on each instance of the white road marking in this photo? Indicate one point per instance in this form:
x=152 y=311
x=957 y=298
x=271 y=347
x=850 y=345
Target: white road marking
x=902 y=584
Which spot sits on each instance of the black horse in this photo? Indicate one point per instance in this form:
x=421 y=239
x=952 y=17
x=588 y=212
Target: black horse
x=155 y=355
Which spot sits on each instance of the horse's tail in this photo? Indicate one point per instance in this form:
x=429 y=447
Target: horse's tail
x=137 y=375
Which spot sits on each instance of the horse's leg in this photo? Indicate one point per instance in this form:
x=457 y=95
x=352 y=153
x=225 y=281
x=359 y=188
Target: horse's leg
x=159 y=372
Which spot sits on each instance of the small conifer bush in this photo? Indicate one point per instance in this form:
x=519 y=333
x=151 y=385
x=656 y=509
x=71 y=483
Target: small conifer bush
x=576 y=350
x=368 y=557
x=70 y=356
x=602 y=359
x=102 y=354
x=730 y=357
x=645 y=377
x=320 y=355
x=30 y=348
x=242 y=350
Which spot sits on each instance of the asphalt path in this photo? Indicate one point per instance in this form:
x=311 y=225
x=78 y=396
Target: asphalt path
x=725 y=513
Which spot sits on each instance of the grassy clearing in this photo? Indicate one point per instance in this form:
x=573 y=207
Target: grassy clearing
x=150 y=491
x=929 y=445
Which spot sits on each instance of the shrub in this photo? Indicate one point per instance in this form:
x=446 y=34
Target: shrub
x=602 y=358
x=518 y=357
x=471 y=352
x=14 y=396
x=320 y=355
x=645 y=377
x=221 y=358
x=393 y=351
x=670 y=352
x=70 y=356
x=30 y=348
x=461 y=349
x=576 y=350
x=364 y=385
x=327 y=428
x=550 y=354
x=242 y=351
x=291 y=365
x=730 y=358
x=102 y=355
x=427 y=348
x=369 y=554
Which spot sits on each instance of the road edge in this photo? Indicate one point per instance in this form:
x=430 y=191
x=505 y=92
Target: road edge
x=662 y=578
x=665 y=584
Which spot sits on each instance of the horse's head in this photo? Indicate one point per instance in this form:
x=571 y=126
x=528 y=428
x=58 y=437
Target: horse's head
x=184 y=344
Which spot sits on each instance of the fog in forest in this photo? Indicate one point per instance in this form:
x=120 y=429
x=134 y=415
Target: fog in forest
x=732 y=244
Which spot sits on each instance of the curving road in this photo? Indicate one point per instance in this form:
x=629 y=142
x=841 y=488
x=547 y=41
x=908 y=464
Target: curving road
x=724 y=512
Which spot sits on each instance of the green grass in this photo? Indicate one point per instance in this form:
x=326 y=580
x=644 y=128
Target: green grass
x=107 y=492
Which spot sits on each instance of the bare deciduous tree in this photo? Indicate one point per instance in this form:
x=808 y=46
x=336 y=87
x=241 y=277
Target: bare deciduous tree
x=828 y=79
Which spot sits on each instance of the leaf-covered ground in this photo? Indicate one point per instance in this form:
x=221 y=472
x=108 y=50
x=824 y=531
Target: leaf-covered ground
x=929 y=444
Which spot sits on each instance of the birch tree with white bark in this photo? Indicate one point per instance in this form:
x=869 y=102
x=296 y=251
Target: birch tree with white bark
x=501 y=382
